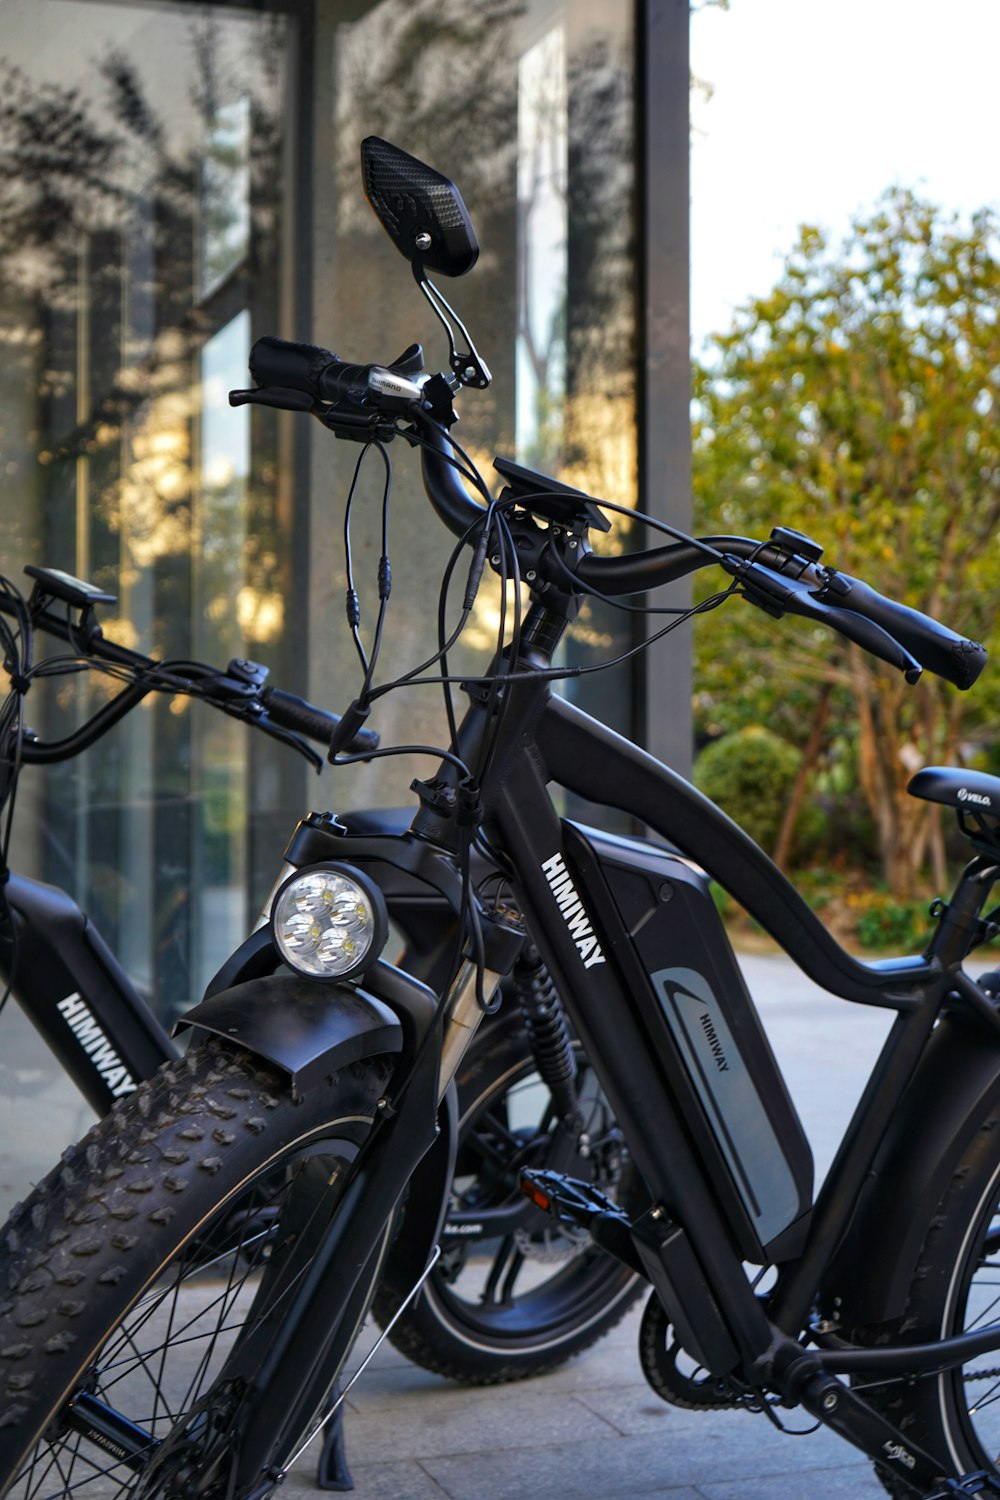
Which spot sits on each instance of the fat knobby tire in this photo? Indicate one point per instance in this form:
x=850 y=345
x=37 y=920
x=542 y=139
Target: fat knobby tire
x=119 y=1207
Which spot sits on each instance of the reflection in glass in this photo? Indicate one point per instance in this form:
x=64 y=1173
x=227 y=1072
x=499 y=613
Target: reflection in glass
x=225 y=473
x=544 y=158
x=225 y=194
x=218 y=917
x=139 y=212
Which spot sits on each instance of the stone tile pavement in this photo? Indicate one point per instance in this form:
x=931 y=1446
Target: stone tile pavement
x=590 y=1431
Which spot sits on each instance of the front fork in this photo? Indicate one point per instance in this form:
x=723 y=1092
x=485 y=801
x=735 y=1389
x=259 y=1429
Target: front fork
x=288 y=1379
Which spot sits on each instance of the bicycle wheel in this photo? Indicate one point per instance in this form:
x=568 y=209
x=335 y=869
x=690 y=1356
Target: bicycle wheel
x=504 y=1305
x=129 y=1273
x=954 y=1414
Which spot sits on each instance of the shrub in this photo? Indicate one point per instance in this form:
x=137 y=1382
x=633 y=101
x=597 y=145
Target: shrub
x=750 y=775
x=881 y=921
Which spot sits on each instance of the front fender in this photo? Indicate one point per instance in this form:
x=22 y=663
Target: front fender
x=306 y=1030
x=423 y=1210
x=953 y=1087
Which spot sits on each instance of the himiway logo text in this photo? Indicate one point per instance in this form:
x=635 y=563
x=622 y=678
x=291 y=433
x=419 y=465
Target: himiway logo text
x=572 y=908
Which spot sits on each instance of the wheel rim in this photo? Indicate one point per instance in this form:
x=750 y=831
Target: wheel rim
x=158 y=1373
x=534 y=1286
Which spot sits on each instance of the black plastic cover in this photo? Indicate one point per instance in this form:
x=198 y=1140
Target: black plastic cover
x=305 y=1030
x=700 y=1012
x=411 y=200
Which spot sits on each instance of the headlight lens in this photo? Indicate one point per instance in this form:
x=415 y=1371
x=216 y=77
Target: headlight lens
x=329 y=922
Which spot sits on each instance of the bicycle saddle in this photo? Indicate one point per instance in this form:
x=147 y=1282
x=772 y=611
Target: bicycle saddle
x=966 y=791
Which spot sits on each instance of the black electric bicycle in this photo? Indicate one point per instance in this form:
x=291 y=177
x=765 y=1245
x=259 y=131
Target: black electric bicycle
x=521 y=1077
x=181 y=1292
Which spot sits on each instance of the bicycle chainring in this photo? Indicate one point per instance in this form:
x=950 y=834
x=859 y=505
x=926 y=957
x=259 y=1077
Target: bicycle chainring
x=670 y=1370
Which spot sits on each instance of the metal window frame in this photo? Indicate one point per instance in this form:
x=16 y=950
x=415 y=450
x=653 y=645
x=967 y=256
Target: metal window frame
x=662 y=682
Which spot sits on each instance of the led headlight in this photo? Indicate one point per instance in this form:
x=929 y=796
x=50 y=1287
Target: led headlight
x=329 y=922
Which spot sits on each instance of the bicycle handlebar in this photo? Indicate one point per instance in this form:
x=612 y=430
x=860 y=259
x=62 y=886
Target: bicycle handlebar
x=901 y=636
x=939 y=649
x=265 y=708
x=303 y=717
x=306 y=377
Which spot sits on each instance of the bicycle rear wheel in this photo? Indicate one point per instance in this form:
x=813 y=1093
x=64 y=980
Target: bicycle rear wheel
x=519 y=1296
x=184 y=1219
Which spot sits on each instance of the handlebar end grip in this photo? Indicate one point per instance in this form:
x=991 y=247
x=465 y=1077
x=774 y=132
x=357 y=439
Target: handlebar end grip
x=968 y=660
x=302 y=717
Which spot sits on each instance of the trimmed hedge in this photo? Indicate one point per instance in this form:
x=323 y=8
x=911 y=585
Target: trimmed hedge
x=750 y=774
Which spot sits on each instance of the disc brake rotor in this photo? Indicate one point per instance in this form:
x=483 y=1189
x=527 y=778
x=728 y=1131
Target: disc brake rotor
x=551 y=1245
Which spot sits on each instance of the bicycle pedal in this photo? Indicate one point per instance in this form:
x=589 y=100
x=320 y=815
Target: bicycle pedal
x=568 y=1199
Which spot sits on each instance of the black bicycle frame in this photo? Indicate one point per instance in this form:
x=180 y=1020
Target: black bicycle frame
x=615 y=1008
x=601 y=916
x=78 y=997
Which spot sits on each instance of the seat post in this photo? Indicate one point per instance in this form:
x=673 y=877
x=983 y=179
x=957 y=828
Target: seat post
x=960 y=926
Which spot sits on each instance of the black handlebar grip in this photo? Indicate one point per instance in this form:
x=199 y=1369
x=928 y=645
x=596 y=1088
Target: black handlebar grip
x=307 y=367
x=302 y=717
x=937 y=648
x=283 y=363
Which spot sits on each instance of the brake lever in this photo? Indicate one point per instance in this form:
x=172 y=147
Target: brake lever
x=255 y=714
x=283 y=398
x=777 y=594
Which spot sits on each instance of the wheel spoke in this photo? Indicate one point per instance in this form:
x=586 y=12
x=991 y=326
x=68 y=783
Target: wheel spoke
x=513 y=1272
x=507 y=1265
x=981 y=1402
x=978 y=1390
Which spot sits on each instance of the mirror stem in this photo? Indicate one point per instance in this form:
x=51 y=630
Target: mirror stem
x=468 y=367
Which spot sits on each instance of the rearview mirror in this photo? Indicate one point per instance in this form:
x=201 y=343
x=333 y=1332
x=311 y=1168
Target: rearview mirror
x=421 y=211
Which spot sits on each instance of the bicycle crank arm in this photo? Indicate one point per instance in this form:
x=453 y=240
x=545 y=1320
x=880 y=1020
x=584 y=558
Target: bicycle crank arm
x=799 y=1376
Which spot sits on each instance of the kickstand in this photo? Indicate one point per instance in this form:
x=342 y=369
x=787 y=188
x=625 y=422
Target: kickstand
x=332 y=1472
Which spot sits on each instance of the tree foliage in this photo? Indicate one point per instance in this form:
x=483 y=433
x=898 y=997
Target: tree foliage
x=858 y=403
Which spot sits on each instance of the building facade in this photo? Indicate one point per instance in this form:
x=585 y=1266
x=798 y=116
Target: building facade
x=181 y=178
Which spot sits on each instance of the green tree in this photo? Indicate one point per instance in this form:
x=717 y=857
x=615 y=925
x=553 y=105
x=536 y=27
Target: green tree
x=858 y=403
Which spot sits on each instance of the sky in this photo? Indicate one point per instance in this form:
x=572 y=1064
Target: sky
x=816 y=107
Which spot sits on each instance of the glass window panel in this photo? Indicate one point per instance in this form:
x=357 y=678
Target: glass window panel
x=544 y=158
x=139 y=252
x=543 y=270
x=225 y=194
